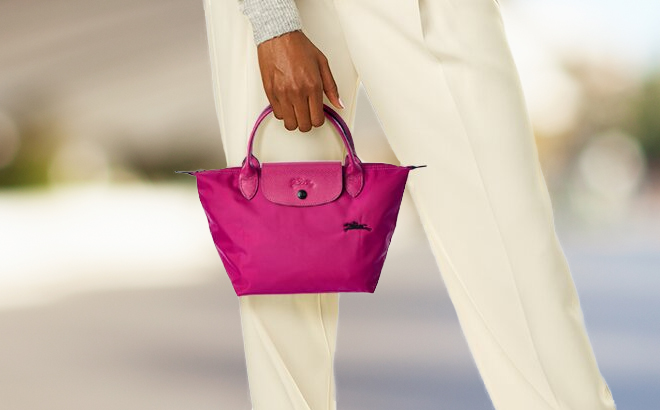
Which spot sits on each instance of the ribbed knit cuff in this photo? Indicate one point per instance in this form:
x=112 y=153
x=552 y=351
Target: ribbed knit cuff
x=271 y=18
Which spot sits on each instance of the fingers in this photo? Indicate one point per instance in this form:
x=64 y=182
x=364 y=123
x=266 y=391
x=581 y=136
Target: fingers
x=289 y=116
x=299 y=106
x=283 y=108
x=317 y=116
x=329 y=84
x=295 y=76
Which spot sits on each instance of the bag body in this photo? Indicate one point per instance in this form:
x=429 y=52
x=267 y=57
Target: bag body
x=303 y=227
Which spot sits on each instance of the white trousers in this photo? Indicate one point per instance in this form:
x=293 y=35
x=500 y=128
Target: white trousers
x=444 y=86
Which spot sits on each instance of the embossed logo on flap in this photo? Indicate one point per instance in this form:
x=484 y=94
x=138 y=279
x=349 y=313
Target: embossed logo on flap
x=300 y=181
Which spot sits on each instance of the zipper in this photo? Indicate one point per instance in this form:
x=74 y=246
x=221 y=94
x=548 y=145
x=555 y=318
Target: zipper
x=201 y=170
x=190 y=172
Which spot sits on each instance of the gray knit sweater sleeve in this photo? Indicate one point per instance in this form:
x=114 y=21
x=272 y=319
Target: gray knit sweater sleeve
x=271 y=18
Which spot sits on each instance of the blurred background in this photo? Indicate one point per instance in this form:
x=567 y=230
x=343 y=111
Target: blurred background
x=112 y=295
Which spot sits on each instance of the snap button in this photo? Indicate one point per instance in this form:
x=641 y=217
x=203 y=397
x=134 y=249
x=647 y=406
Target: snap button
x=302 y=194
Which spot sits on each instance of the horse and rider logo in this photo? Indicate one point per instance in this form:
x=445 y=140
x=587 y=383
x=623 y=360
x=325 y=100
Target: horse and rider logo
x=355 y=225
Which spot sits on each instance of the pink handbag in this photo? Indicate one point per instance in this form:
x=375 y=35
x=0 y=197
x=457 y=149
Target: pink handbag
x=303 y=227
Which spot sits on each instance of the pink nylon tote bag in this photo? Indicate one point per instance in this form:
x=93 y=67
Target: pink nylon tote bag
x=303 y=227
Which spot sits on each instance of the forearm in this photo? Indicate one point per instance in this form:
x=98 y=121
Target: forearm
x=271 y=18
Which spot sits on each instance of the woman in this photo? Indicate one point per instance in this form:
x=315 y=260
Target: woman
x=442 y=81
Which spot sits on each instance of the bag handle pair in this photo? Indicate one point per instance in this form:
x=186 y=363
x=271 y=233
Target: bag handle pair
x=354 y=176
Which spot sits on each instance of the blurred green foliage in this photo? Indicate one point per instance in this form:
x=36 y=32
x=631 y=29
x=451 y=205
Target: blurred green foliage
x=645 y=119
x=30 y=165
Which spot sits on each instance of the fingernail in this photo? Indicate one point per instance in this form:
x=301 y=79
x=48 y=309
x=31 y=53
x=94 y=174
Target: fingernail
x=341 y=103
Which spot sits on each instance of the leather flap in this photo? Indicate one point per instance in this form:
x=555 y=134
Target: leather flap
x=301 y=183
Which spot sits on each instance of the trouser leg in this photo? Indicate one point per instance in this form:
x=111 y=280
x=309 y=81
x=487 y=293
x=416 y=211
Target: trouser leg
x=290 y=345
x=289 y=340
x=443 y=84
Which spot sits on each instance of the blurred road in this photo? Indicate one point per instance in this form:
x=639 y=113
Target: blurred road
x=179 y=346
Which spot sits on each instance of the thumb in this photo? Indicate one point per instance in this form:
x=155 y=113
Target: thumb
x=329 y=84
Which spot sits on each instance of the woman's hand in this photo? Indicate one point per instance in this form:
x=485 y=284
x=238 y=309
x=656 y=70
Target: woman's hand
x=295 y=73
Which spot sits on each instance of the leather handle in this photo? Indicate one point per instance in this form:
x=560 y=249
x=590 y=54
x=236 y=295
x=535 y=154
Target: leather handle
x=341 y=123
x=336 y=120
x=354 y=176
